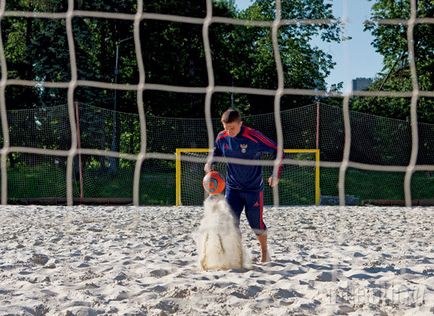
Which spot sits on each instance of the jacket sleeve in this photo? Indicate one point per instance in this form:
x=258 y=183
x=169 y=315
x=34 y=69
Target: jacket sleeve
x=269 y=146
x=217 y=152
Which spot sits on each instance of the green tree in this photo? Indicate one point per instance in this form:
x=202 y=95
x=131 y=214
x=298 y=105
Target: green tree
x=173 y=54
x=247 y=57
x=391 y=42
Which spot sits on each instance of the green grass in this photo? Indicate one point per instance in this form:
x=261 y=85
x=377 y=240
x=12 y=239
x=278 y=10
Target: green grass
x=159 y=188
x=295 y=188
x=370 y=185
x=44 y=181
x=36 y=182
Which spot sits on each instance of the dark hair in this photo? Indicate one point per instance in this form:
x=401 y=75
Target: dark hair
x=231 y=115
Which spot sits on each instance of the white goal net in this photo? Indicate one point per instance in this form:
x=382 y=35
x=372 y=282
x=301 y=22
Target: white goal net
x=74 y=147
x=73 y=129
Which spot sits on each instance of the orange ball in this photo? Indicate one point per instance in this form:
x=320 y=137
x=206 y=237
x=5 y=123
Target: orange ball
x=213 y=183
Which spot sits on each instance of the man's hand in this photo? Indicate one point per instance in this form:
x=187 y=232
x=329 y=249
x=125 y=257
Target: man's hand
x=273 y=181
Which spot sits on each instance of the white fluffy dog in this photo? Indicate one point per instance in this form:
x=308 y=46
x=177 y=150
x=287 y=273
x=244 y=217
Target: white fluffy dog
x=219 y=238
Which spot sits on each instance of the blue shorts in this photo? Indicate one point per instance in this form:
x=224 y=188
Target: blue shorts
x=252 y=202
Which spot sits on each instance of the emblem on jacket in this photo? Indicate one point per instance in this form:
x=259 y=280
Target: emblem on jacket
x=243 y=148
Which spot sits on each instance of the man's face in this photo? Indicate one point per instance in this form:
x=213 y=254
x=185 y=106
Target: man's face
x=233 y=128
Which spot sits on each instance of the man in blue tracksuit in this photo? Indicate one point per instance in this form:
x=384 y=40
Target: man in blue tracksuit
x=244 y=183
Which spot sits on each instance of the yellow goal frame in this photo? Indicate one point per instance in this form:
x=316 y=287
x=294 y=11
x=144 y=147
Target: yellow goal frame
x=179 y=151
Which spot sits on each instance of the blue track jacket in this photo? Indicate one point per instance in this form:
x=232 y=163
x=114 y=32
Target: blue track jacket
x=248 y=144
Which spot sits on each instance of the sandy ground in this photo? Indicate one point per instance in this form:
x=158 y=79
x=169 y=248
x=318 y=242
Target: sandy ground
x=143 y=261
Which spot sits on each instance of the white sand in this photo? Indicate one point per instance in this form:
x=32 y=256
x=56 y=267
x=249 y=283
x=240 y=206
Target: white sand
x=143 y=261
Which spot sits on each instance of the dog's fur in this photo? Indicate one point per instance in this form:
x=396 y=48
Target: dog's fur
x=219 y=238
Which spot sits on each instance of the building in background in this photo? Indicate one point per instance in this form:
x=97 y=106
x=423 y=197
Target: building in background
x=361 y=83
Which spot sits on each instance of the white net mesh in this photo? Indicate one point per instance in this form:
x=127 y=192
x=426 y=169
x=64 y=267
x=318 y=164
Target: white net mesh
x=299 y=184
x=100 y=178
x=130 y=260
x=64 y=147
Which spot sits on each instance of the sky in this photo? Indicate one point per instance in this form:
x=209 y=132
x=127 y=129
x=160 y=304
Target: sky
x=356 y=57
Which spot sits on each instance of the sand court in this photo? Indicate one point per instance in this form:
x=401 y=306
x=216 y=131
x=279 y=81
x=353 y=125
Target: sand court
x=143 y=261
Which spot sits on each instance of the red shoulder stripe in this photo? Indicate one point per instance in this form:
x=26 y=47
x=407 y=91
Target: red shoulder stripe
x=263 y=139
x=246 y=134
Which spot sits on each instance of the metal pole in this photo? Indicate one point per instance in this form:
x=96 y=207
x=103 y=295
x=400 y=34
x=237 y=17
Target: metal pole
x=115 y=94
x=113 y=167
x=115 y=98
x=80 y=164
x=115 y=147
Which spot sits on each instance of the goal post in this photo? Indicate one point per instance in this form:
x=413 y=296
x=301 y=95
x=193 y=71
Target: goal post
x=299 y=185
x=179 y=152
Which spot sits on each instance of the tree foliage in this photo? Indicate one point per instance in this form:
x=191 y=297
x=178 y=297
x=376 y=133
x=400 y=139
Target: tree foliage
x=247 y=58
x=173 y=54
x=391 y=42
